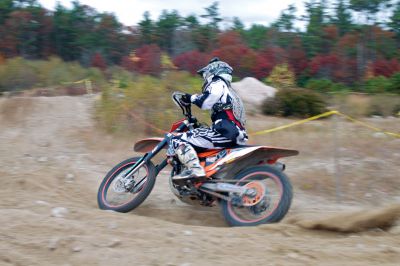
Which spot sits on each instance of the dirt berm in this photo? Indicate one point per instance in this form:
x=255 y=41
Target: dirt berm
x=52 y=159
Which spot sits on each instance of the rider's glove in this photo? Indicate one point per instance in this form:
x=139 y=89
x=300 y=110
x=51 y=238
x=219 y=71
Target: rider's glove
x=185 y=99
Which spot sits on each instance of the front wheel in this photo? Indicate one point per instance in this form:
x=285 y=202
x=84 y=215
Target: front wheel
x=273 y=204
x=121 y=195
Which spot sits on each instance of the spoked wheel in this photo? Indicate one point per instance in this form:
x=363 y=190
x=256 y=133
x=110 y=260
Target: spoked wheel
x=121 y=194
x=270 y=200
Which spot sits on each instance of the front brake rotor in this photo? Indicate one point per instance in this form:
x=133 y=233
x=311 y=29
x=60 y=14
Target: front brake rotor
x=257 y=187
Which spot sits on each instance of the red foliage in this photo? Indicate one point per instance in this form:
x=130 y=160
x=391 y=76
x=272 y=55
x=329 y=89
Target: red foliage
x=149 y=62
x=233 y=51
x=229 y=38
x=98 y=61
x=127 y=63
x=331 y=32
x=239 y=56
x=324 y=64
x=331 y=66
x=297 y=57
x=267 y=60
x=386 y=67
x=191 y=61
x=11 y=31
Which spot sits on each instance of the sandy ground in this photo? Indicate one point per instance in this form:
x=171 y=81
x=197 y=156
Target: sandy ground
x=52 y=159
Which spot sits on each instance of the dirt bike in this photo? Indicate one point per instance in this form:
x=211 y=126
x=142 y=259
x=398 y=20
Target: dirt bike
x=247 y=181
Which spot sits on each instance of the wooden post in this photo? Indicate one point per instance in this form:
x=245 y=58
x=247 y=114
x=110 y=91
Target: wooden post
x=336 y=158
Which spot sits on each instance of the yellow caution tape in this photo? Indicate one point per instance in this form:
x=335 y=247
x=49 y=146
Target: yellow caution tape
x=397 y=135
x=295 y=123
x=75 y=82
x=333 y=112
x=88 y=84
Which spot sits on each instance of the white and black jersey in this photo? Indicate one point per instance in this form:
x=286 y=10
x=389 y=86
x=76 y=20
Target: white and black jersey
x=225 y=131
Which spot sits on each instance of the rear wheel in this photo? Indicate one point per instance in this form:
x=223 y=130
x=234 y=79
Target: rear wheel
x=118 y=194
x=270 y=205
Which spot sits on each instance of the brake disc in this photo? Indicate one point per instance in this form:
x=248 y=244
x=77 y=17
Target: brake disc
x=259 y=189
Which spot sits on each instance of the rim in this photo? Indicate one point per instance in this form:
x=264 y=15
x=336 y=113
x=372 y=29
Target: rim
x=113 y=199
x=273 y=196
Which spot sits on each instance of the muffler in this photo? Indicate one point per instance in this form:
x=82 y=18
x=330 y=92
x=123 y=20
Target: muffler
x=224 y=187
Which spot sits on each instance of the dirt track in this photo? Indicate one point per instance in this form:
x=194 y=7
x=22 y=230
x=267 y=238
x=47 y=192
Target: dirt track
x=52 y=160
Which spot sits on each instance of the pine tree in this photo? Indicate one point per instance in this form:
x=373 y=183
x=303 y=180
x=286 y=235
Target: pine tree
x=146 y=27
x=342 y=18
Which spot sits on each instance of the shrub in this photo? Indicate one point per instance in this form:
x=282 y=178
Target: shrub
x=325 y=85
x=396 y=111
x=377 y=85
x=394 y=83
x=149 y=60
x=375 y=110
x=19 y=74
x=282 y=77
x=382 y=105
x=321 y=85
x=270 y=106
x=147 y=98
x=295 y=102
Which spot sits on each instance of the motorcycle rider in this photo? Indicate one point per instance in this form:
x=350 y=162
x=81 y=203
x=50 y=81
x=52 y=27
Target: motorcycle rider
x=227 y=115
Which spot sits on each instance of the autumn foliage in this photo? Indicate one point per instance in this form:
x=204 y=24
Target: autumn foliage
x=191 y=61
x=332 y=46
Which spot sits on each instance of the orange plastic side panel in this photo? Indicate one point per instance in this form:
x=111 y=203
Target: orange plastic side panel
x=147 y=145
x=208 y=153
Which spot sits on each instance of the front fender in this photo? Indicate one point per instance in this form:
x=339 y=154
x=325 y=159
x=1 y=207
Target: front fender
x=147 y=145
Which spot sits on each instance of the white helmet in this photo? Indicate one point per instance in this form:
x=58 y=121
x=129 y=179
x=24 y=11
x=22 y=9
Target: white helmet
x=216 y=68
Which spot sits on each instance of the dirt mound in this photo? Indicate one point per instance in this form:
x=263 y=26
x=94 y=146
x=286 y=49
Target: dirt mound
x=354 y=222
x=252 y=91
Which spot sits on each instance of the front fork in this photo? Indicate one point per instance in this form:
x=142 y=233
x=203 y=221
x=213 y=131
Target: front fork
x=128 y=178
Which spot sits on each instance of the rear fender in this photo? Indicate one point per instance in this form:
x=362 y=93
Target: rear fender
x=147 y=145
x=265 y=153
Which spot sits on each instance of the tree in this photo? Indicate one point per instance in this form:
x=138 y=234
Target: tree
x=212 y=14
x=287 y=19
x=256 y=36
x=315 y=15
x=146 y=27
x=165 y=29
x=110 y=40
x=238 y=25
x=394 y=22
x=369 y=7
x=6 y=7
x=342 y=17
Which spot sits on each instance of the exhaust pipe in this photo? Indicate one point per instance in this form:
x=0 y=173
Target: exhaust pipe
x=224 y=187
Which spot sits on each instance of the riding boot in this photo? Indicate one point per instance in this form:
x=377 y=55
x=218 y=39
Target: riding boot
x=188 y=157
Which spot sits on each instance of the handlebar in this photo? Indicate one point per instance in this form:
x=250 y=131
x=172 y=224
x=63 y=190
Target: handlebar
x=186 y=109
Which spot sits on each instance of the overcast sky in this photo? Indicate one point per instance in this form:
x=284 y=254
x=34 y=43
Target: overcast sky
x=130 y=12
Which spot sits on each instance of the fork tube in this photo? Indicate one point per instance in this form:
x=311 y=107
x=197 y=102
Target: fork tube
x=148 y=156
x=161 y=166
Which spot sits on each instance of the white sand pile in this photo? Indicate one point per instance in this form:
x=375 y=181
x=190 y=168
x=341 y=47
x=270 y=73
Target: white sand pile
x=252 y=91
